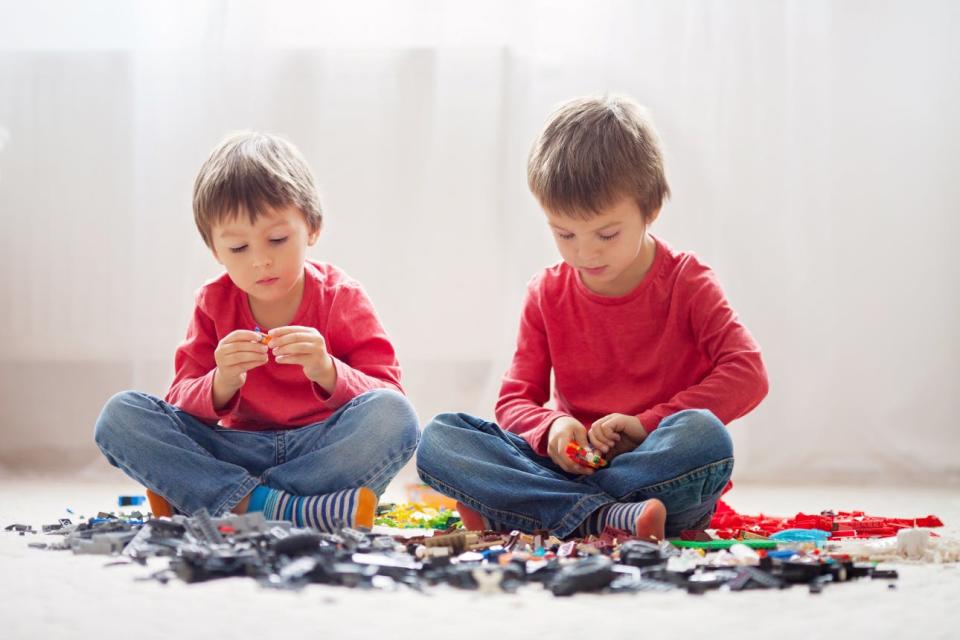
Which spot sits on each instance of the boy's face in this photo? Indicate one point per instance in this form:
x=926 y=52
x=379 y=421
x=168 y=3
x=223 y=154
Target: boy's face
x=264 y=259
x=610 y=250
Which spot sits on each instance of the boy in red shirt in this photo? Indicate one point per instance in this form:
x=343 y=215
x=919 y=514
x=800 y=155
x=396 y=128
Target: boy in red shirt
x=649 y=361
x=287 y=396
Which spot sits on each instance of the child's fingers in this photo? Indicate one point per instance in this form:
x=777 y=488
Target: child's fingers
x=608 y=442
x=241 y=335
x=602 y=447
x=557 y=458
x=280 y=332
x=233 y=358
x=246 y=366
x=570 y=466
x=297 y=348
x=612 y=438
x=243 y=347
x=227 y=352
x=282 y=335
x=594 y=439
x=304 y=340
x=580 y=436
x=615 y=425
x=558 y=453
x=600 y=422
x=243 y=357
x=598 y=438
x=608 y=433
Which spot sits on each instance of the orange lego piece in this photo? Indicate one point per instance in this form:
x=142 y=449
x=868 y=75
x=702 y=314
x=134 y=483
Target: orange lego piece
x=264 y=337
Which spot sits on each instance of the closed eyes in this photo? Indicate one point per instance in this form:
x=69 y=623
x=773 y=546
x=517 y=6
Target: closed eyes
x=243 y=247
x=604 y=237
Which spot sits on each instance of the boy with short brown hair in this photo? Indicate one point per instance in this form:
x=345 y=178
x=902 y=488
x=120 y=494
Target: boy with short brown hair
x=649 y=361
x=287 y=396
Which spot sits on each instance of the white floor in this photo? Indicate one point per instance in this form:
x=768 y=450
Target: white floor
x=46 y=594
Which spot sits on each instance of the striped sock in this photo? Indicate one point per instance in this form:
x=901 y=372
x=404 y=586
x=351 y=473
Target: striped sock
x=592 y=524
x=327 y=512
x=621 y=515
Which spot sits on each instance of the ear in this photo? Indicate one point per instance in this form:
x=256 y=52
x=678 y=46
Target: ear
x=313 y=236
x=652 y=216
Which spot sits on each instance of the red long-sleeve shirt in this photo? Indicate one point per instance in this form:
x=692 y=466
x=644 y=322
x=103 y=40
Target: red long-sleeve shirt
x=673 y=343
x=279 y=396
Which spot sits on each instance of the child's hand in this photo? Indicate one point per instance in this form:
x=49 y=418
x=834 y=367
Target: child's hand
x=616 y=433
x=562 y=431
x=237 y=353
x=304 y=346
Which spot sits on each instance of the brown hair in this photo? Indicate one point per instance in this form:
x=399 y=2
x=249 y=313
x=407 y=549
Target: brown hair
x=594 y=151
x=249 y=173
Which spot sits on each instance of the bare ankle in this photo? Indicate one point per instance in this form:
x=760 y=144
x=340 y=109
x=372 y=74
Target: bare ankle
x=241 y=507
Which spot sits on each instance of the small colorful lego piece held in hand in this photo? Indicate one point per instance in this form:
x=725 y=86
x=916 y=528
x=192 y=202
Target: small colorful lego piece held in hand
x=264 y=337
x=585 y=456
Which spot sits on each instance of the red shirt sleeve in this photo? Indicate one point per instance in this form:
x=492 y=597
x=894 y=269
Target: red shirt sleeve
x=526 y=385
x=194 y=364
x=361 y=351
x=738 y=380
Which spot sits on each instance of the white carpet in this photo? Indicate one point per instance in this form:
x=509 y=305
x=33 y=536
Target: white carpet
x=47 y=594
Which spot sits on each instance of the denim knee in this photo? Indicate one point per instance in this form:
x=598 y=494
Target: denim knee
x=117 y=417
x=706 y=430
x=393 y=418
x=437 y=441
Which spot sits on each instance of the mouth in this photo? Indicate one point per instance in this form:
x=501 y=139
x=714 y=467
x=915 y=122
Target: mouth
x=593 y=271
x=267 y=281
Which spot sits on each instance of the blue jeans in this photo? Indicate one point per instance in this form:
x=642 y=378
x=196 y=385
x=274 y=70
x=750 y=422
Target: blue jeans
x=686 y=462
x=194 y=465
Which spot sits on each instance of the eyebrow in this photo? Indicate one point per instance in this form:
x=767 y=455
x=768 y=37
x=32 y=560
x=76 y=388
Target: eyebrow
x=235 y=234
x=606 y=226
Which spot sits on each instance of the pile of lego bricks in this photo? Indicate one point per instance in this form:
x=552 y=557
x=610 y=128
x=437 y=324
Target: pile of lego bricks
x=415 y=515
x=727 y=524
x=202 y=548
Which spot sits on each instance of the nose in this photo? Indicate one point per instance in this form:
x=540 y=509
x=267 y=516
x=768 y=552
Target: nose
x=262 y=260
x=588 y=251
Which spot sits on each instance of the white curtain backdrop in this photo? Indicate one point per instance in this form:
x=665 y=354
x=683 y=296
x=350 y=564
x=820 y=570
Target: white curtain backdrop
x=813 y=149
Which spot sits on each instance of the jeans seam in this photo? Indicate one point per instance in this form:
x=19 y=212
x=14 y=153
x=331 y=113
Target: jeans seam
x=238 y=494
x=281 y=447
x=462 y=497
x=583 y=505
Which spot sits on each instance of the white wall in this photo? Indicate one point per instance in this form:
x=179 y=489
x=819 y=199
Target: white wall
x=812 y=148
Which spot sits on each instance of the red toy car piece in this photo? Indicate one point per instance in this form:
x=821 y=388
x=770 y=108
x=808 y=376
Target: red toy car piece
x=585 y=456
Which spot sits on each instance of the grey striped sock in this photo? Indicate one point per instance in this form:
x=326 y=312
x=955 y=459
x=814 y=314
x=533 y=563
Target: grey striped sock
x=623 y=515
x=592 y=525
x=326 y=512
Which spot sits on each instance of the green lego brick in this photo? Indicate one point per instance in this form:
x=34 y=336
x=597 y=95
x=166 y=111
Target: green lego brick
x=723 y=544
